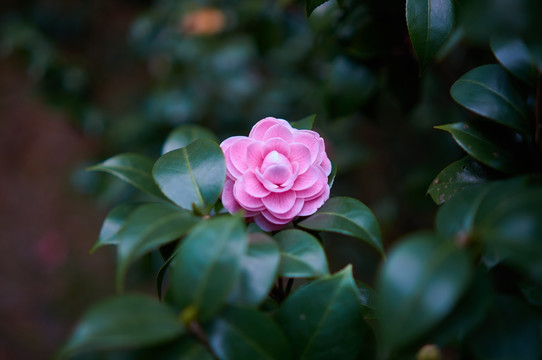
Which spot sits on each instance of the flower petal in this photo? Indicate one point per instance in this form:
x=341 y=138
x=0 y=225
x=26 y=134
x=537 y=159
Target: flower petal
x=300 y=154
x=267 y=225
x=280 y=203
x=238 y=153
x=258 y=131
x=307 y=179
x=290 y=215
x=326 y=165
x=277 y=174
x=228 y=200
x=308 y=138
x=224 y=145
x=310 y=206
x=280 y=131
x=316 y=189
x=245 y=200
x=231 y=170
x=276 y=144
x=253 y=186
x=255 y=155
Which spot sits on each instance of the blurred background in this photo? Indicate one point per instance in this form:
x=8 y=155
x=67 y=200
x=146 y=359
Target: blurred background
x=81 y=81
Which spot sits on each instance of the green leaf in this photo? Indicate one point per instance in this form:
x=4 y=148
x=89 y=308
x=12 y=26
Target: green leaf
x=194 y=174
x=368 y=299
x=515 y=56
x=129 y=321
x=511 y=331
x=489 y=92
x=208 y=265
x=492 y=145
x=430 y=23
x=162 y=272
x=258 y=270
x=244 y=333
x=304 y=124
x=310 y=5
x=456 y=176
x=418 y=286
x=148 y=228
x=301 y=254
x=134 y=169
x=346 y=216
x=324 y=319
x=112 y=225
x=184 y=135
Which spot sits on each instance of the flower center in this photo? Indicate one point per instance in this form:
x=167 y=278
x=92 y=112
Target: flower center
x=276 y=168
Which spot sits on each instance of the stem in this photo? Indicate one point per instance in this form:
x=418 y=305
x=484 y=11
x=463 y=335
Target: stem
x=198 y=332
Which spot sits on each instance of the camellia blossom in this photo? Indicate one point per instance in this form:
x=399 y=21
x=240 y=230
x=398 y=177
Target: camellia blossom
x=276 y=173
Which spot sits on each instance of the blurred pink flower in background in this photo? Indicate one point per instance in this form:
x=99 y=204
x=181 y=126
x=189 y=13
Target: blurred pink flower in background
x=276 y=173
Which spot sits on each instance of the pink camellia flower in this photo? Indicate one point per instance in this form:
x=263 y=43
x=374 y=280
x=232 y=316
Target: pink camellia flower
x=276 y=173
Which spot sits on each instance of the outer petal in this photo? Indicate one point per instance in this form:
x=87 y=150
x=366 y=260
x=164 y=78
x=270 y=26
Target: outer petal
x=224 y=145
x=300 y=154
x=228 y=200
x=245 y=200
x=310 y=206
x=280 y=131
x=307 y=179
x=294 y=211
x=326 y=165
x=267 y=225
x=253 y=186
x=280 y=203
x=258 y=131
x=231 y=170
x=238 y=153
x=255 y=155
x=309 y=139
x=315 y=189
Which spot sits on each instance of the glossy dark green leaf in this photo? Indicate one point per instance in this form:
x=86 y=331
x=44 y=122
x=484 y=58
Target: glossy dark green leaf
x=310 y=5
x=332 y=175
x=258 y=271
x=512 y=227
x=184 y=135
x=430 y=23
x=244 y=333
x=134 y=169
x=492 y=145
x=346 y=216
x=489 y=91
x=301 y=254
x=194 y=174
x=148 y=228
x=129 y=321
x=418 y=287
x=324 y=319
x=162 y=273
x=304 y=124
x=368 y=299
x=457 y=176
x=112 y=225
x=208 y=265
x=511 y=331
x=515 y=56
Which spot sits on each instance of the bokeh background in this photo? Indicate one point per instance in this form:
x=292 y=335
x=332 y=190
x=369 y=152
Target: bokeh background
x=81 y=81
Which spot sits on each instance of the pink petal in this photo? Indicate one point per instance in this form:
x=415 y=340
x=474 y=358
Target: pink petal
x=279 y=202
x=294 y=211
x=315 y=189
x=290 y=182
x=300 y=154
x=255 y=155
x=276 y=144
x=275 y=220
x=326 y=165
x=280 y=131
x=228 y=200
x=245 y=200
x=309 y=139
x=274 y=188
x=307 y=179
x=258 y=131
x=224 y=145
x=321 y=151
x=311 y=206
x=238 y=153
x=231 y=170
x=277 y=174
x=275 y=158
x=253 y=186
x=266 y=225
